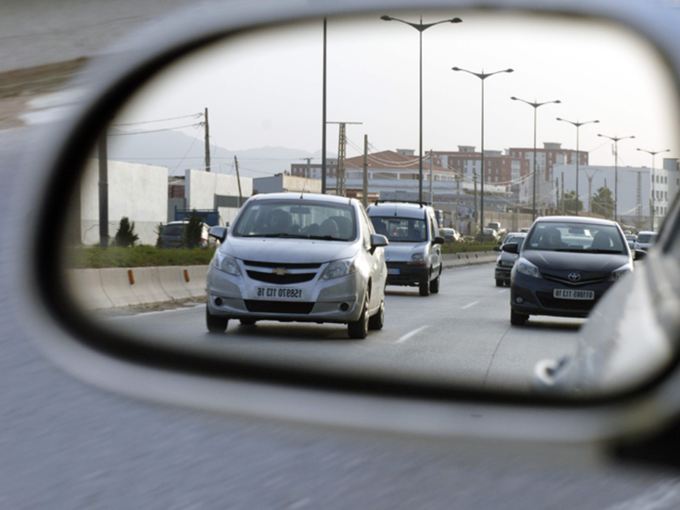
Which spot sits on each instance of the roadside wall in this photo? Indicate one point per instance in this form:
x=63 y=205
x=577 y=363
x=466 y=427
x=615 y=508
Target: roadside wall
x=201 y=188
x=139 y=192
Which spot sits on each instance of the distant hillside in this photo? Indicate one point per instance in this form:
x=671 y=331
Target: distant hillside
x=178 y=151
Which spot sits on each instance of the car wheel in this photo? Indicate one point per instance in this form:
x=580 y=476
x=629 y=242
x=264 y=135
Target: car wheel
x=434 y=285
x=518 y=319
x=247 y=322
x=215 y=323
x=499 y=283
x=378 y=320
x=425 y=288
x=359 y=328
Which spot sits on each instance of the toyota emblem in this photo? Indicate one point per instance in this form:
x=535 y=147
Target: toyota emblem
x=574 y=277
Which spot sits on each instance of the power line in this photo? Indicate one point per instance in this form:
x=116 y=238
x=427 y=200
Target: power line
x=192 y=116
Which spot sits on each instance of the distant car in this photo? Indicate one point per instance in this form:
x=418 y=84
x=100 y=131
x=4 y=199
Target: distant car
x=172 y=235
x=645 y=240
x=298 y=257
x=487 y=235
x=506 y=260
x=450 y=235
x=414 y=254
x=630 y=239
x=565 y=265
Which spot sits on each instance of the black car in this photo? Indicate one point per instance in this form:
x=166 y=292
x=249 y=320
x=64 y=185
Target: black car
x=565 y=265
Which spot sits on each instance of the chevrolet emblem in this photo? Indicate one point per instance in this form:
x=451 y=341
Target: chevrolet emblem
x=280 y=271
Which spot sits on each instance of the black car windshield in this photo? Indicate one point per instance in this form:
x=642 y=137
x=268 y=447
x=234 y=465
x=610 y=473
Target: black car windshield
x=400 y=230
x=297 y=219
x=173 y=230
x=575 y=237
x=646 y=238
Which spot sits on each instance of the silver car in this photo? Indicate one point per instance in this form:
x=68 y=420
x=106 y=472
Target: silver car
x=645 y=240
x=299 y=257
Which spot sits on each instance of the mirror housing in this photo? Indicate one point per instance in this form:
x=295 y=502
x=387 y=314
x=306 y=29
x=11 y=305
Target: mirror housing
x=639 y=254
x=438 y=240
x=510 y=248
x=219 y=233
x=378 y=240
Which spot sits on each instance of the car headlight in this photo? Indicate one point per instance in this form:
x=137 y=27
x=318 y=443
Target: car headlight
x=418 y=259
x=339 y=268
x=226 y=263
x=618 y=273
x=527 y=268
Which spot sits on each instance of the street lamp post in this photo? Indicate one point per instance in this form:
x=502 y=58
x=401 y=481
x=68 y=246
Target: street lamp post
x=652 y=212
x=577 y=125
x=420 y=27
x=616 y=140
x=482 y=76
x=535 y=106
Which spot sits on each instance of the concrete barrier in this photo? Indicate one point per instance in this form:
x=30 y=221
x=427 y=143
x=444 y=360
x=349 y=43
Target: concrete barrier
x=98 y=289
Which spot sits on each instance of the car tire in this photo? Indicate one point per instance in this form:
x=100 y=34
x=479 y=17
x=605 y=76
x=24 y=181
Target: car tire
x=215 y=323
x=434 y=285
x=424 y=288
x=499 y=283
x=359 y=329
x=247 y=322
x=377 y=321
x=518 y=319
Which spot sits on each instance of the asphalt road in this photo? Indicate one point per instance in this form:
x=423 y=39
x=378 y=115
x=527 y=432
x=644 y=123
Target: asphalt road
x=461 y=335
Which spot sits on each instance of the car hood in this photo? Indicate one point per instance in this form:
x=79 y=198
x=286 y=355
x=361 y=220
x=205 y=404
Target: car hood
x=401 y=252
x=570 y=261
x=291 y=251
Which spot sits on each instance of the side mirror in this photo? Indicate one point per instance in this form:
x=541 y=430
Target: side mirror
x=378 y=240
x=496 y=248
x=219 y=233
x=510 y=248
x=438 y=240
x=639 y=254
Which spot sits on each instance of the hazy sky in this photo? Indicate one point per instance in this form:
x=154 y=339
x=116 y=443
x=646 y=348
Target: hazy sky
x=264 y=89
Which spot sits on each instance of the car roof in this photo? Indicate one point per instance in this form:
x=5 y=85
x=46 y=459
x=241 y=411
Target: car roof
x=647 y=232
x=403 y=209
x=316 y=197
x=516 y=234
x=575 y=219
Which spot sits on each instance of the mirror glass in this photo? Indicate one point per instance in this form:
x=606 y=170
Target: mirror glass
x=243 y=118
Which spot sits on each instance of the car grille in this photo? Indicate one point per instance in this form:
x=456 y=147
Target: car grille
x=549 y=302
x=257 y=306
x=285 y=265
x=281 y=279
x=566 y=281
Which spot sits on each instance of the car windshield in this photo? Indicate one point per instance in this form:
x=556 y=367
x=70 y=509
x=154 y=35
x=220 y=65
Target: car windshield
x=173 y=230
x=400 y=230
x=515 y=239
x=296 y=219
x=646 y=238
x=575 y=237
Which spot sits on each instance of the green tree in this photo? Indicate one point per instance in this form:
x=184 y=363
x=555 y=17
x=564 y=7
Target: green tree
x=126 y=236
x=569 y=200
x=602 y=203
x=193 y=231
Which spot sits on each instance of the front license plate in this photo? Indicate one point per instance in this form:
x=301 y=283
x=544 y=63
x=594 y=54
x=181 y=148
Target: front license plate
x=394 y=270
x=573 y=294
x=282 y=293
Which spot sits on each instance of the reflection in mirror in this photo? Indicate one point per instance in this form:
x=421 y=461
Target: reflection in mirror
x=243 y=119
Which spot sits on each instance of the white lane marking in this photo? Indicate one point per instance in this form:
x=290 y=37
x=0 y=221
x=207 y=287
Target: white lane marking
x=412 y=333
x=501 y=291
x=471 y=304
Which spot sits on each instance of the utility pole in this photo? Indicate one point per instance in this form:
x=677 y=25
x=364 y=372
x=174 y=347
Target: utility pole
x=431 y=181
x=323 y=116
x=238 y=179
x=564 y=209
x=365 y=189
x=342 y=144
x=207 y=142
x=590 y=189
x=103 y=192
x=308 y=170
x=474 y=177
